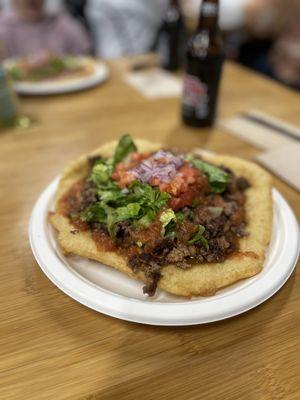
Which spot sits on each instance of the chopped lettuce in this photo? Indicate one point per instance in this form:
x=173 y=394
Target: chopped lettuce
x=126 y=212
x=217 y=177
x=101 y=172
x=166 y=218
x=119 y=214
x=198 y=236
x=95 y=213
x=138 y=204
x=154 y=198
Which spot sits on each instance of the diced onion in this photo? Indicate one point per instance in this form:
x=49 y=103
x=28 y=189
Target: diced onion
x=162 y=165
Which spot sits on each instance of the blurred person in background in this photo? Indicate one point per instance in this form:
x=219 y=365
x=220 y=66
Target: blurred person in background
x=27 y=28
x=262 y=34
x=124 y=27
x=77 y=9
x=277 y=21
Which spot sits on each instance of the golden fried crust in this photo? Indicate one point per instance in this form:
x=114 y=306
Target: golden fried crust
x=202 y=279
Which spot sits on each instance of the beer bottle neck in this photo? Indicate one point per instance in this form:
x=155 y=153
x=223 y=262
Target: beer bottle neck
x=209 y=15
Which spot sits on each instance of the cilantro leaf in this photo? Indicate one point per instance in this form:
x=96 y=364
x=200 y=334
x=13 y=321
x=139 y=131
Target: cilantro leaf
x=125 y=146
x=199 y=236
x=180 y=216
x=121 y=214
x=216 y=176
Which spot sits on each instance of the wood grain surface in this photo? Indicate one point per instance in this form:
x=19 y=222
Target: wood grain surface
x=54 y=348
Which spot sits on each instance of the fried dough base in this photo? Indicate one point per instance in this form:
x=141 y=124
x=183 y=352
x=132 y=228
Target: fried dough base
x=201 y=279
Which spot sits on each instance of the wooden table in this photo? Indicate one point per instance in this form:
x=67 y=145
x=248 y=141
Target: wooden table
x=54 y=348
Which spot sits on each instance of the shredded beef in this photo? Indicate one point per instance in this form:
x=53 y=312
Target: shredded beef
x=162 y=249
x=240 y=230
x=81 y=196
x=216 y=226
x=181 y=253
x=145 y=262
x=89 y=195
x=151 y=285
x=123 y=230
x=242 y=183
x=151 y=264
x=98 y=227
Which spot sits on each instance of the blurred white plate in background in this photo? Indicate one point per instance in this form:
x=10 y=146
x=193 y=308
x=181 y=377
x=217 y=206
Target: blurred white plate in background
x=108 y=291
x=63 y=85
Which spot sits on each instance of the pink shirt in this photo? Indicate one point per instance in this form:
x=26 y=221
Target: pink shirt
x=59 y=33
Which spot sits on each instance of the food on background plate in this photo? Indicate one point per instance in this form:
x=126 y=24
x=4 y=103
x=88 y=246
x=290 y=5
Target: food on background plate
x=47 y=65
x=185 y=223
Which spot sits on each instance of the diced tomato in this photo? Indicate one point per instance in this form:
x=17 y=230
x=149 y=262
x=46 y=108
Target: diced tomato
x=156 y=182
x=185 y=177
x=189 y=172
x=185 y=199
x=138 y=157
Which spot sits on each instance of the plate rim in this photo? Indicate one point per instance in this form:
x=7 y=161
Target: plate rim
x=118 y=303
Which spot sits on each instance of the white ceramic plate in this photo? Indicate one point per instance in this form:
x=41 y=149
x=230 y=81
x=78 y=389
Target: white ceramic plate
x=108 y=291
x=60 y=86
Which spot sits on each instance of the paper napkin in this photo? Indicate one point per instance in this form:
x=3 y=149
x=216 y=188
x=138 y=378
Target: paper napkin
x=155 y=83
x=284 y=162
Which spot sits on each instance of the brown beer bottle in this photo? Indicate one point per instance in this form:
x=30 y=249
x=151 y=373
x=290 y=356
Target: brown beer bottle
x=171 y=37
x=204 y=60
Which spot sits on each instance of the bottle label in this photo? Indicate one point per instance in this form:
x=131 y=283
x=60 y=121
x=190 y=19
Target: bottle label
x=195 y=96
x=209 y=9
